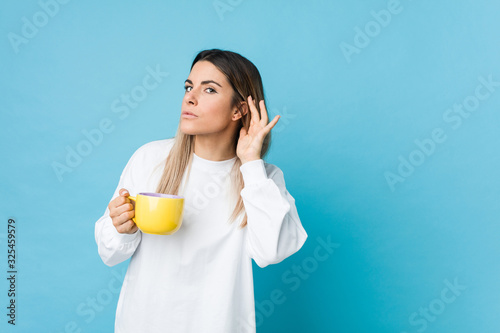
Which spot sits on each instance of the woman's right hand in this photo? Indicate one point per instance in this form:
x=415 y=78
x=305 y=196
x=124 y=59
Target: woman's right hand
x=121 y=211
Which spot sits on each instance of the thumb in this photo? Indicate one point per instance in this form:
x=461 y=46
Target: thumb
x=124 y=192
x=243 y=131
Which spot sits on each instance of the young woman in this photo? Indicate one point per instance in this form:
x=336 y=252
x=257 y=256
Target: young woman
x=237 y=208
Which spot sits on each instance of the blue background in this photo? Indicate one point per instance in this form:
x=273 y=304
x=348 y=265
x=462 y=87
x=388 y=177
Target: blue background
x=347 y=120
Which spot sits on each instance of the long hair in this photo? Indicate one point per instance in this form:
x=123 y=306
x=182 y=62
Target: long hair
x=245 y=81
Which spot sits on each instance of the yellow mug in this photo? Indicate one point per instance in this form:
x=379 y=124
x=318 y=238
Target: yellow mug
x=158 y=213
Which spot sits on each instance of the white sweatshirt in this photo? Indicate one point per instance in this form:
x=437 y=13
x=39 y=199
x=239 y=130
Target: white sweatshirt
x=199 y=279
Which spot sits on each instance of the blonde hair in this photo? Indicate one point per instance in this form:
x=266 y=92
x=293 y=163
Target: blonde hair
x=245 y=81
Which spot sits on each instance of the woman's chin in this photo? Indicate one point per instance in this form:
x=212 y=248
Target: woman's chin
x=188 y=131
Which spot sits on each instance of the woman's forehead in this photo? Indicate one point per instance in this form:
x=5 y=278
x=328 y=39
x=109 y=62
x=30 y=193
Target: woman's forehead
x=205 y=71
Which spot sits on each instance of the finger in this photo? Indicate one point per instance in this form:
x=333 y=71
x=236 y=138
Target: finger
x=253 y=109
x=263 y=112
x=272 y=124
x=128 y=215
x=123 y=218
x=118 y=201
x=115 y=203
x=127 y=207
x=130 y=227
x=126 y=227
x=124 y=192
x=134 y=229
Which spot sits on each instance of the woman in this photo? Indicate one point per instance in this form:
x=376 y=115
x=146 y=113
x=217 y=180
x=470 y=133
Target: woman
x=237 y=208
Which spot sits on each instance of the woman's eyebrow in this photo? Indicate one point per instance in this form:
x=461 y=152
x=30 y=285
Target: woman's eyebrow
x=203 y=82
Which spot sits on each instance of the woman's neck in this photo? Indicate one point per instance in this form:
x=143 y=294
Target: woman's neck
x=214 y=148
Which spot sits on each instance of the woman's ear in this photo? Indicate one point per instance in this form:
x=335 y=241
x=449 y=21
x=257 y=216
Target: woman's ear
x=240 y=111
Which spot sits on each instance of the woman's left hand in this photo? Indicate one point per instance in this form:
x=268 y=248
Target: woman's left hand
x=250 y=142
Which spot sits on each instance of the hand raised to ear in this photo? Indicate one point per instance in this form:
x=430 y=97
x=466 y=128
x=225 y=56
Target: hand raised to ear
x=250 y=142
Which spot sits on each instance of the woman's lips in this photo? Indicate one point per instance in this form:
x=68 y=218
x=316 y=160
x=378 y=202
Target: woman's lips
x=188 y=115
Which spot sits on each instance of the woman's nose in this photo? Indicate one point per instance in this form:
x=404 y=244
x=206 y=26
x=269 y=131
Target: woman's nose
x=190 y=98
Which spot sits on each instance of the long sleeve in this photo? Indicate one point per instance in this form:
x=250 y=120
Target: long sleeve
x=274 y=228
x=114 y=247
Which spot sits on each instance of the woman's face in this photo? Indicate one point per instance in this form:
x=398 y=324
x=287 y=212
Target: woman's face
x=208 y=97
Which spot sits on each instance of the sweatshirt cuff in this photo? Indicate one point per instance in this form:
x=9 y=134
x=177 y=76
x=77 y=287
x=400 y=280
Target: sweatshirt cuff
x=253 y=172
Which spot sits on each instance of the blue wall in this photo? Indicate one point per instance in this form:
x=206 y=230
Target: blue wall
x=388 y=141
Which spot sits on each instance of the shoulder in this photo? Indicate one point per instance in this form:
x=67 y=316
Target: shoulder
x=153 y=151
x=157 y=145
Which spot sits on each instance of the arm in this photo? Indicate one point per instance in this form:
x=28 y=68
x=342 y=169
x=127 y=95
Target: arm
x=274 y=228
x=114 y=247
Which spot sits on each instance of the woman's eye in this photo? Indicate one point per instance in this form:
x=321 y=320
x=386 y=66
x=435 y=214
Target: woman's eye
x=209 y=90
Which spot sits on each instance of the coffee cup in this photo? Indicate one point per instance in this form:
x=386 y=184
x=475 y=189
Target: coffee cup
x=158 y=213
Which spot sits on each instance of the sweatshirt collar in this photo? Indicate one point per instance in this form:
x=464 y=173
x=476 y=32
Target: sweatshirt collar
x=212 y=165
